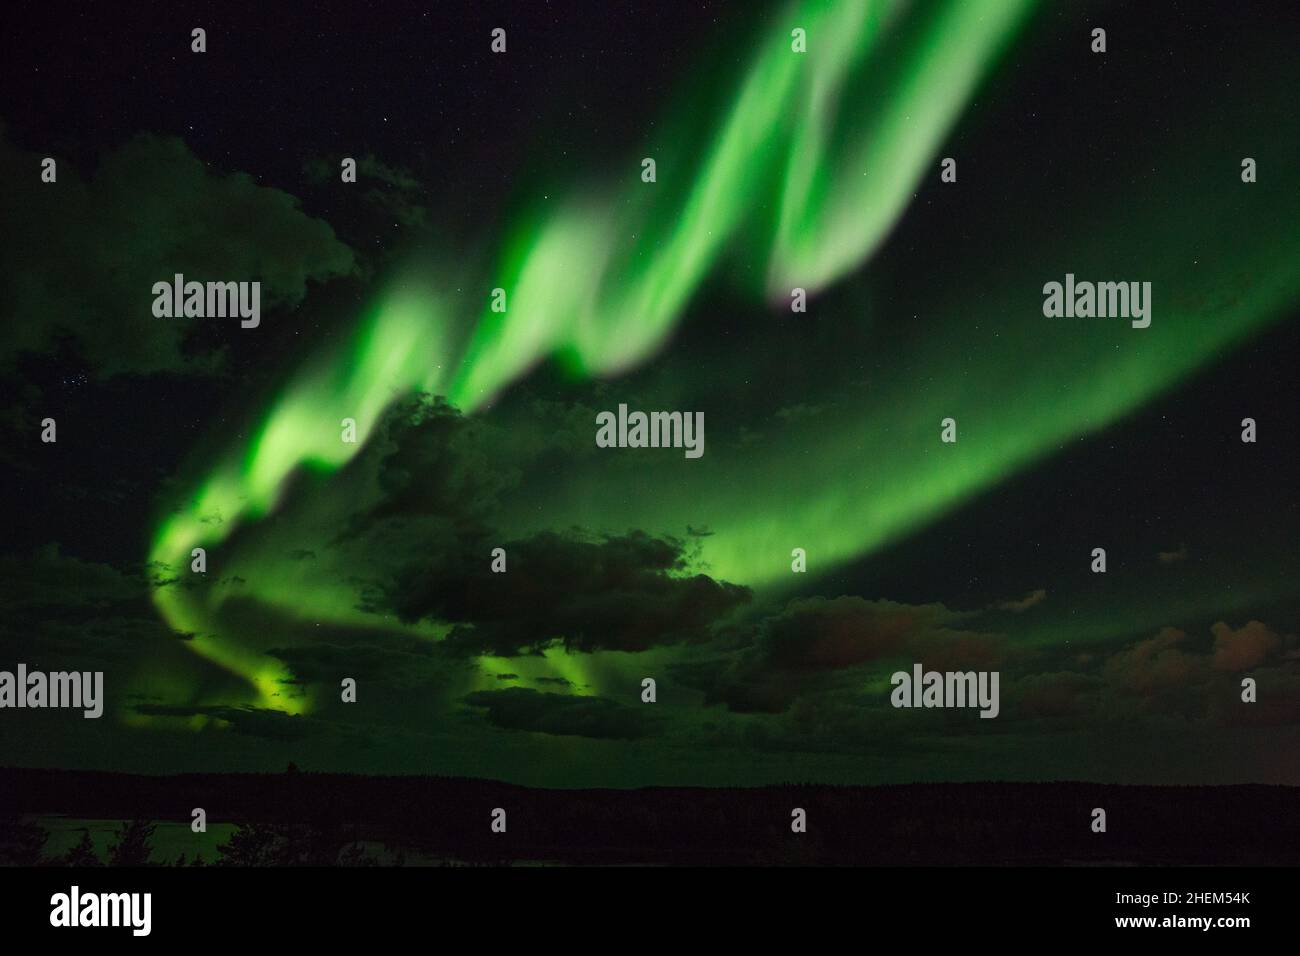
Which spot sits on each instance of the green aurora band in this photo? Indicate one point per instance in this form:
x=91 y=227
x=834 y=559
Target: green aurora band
x=601 y=284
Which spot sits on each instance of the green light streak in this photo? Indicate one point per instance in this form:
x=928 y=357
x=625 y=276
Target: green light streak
x=604 y=283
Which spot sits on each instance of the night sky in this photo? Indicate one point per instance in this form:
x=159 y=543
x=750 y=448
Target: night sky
x=476 y=429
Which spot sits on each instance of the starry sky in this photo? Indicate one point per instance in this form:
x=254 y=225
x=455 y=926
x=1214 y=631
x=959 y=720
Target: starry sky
x=774 y=170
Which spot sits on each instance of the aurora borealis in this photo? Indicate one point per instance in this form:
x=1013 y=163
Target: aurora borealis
x=775 y=170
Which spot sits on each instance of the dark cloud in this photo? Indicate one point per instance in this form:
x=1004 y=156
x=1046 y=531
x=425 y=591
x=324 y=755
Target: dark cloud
x=389 y=191
x=831 y=699
x=330 y=663
x=81 y=255
x=321 y=654
x=394 y=191
x=250 y=721
x=1155 y=664
x=55 y=606
x=519 y=708
x=586 y=592
x=1247 y=647
x=1167 y=675
x=49 y=579
x=1032 y=599
x=803 y=647
x=430 y=461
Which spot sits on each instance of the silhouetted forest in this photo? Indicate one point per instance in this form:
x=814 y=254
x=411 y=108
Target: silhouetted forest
x=297 y=818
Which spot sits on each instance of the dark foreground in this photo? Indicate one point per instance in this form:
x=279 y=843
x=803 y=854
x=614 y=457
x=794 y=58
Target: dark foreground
x=334 y=819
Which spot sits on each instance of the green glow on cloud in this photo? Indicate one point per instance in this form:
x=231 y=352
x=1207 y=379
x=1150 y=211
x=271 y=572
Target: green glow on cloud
x=843 y=142
x=583 y=283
